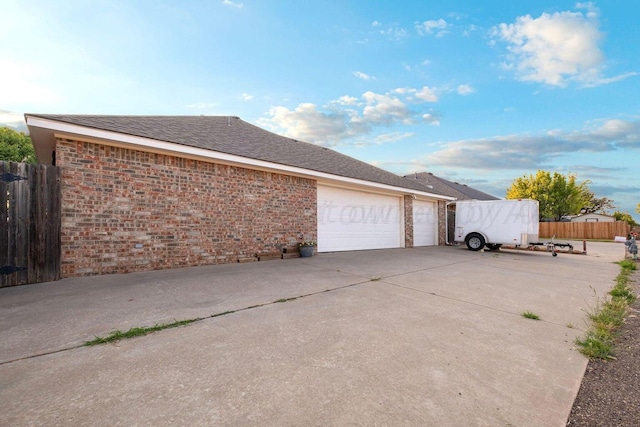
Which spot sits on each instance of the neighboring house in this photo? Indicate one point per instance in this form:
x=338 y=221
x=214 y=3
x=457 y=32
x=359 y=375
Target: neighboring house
x=449 y=188
x=153 y=192
x=591 y=217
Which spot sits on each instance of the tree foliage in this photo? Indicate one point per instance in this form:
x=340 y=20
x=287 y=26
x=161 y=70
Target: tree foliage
x=597 y=204
x=557 y=195
x=16 y=147
x=626 y=217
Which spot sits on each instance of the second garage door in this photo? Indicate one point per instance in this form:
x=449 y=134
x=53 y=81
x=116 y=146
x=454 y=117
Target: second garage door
x=353 y=220
x=425 y=223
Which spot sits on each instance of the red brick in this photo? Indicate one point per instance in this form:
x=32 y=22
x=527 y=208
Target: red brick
x=126 y=210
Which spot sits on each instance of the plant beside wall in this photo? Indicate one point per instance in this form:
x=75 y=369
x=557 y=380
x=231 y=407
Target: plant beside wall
x=306 y=248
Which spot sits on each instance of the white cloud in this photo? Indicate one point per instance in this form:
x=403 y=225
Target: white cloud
x=403 y=91
x=592 y=10
x=363 y=76
x=428 y=27
x=11 y=119
x=384 y=109
x=620 y=133
x=465 y=90
x=394 y=32
x=470 y=29
x=536 y=151
x=431 y=118
x=382 y=139
x=597 y=81
x=308 y=124
x=247 y=97
x=354 y=117
x=392 y=137
x=427 y=94
x=346 y=100
x=554 y=48
x=233 y=4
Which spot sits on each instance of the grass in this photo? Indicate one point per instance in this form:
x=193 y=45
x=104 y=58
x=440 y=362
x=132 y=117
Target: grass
x=598 y=342
x=530 y=315
x=137 y=332
x=118 y=335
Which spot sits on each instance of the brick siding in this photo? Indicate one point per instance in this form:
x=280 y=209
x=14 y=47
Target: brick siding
x=408 y=221
x=125 y=210
x=442 y=226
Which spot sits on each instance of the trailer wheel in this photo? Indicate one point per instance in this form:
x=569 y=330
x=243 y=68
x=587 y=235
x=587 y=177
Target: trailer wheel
x=475 y=241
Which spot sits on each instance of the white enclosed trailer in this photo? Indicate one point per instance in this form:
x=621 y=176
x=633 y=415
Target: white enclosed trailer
x=493 y=223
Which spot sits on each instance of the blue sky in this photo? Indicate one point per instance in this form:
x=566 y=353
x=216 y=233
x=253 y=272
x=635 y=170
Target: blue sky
x=476 y=92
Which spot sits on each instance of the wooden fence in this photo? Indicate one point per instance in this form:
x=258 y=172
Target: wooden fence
x=584 y=230
x=29 y=223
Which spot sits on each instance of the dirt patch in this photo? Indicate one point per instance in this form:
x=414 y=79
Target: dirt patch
x=610 y=391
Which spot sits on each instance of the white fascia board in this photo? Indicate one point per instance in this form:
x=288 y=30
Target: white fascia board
x=179 y=149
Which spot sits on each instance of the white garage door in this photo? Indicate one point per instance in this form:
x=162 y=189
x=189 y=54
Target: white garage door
x=425 y=222
x=351 y=220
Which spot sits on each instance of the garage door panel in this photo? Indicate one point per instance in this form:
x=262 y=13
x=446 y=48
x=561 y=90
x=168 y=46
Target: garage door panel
x=425 y=223
x=354 y=220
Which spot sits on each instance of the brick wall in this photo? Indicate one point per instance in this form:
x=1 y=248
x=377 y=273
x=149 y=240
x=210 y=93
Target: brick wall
x=408 y=221
x=442 y=226
x=125 y=210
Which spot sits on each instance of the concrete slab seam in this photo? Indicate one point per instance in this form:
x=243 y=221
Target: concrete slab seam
x=189 y=321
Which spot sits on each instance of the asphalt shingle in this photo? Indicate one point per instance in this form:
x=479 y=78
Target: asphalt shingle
x=232 y=135
x=449 y=188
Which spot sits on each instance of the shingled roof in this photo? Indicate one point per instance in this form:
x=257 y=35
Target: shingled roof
x=449 y=188
x=231 y=135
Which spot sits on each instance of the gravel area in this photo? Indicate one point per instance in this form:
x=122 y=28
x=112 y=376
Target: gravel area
x=610 y=391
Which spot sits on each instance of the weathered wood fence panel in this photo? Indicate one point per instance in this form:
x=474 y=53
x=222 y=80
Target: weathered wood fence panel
x=29 y=223
x=584 y=230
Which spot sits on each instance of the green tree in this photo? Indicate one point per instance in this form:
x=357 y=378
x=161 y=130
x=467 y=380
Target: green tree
x=557 y=195
x=638 y=208
x=626 y=217
x=16 y=147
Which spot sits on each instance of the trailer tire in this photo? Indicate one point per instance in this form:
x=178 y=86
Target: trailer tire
x=475 y=241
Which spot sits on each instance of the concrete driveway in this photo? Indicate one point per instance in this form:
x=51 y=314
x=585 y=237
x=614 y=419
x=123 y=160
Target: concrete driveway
x=425 y=336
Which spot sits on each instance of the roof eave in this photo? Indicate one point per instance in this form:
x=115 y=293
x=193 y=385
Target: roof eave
x=44 y=131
